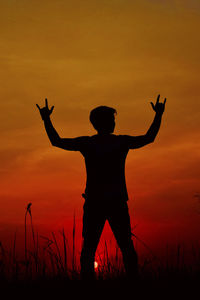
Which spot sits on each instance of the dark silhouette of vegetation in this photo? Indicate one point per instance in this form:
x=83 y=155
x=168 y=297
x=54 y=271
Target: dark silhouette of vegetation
x=50 y=264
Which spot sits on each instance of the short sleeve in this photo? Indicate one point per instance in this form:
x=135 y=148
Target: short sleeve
x=128 y=141
x=134 y=142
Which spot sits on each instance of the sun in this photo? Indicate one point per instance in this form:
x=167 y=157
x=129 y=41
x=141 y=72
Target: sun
x=96 y=264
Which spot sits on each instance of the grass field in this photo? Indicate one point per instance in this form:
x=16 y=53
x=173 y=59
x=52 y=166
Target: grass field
x=50 y=262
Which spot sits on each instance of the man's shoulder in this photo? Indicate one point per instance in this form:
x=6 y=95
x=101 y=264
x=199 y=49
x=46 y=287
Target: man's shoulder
x=122 y=138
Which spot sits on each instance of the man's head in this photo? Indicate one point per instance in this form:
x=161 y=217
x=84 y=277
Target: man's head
x=103 y=119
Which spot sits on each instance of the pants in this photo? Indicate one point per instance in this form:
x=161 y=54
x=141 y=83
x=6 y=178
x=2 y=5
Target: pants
x=94 y=218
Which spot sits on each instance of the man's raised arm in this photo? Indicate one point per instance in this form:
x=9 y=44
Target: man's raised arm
x=149 y=137
x=74 y=144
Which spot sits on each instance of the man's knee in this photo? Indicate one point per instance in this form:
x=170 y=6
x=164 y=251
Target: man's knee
x=125 y=242
x=128 y=251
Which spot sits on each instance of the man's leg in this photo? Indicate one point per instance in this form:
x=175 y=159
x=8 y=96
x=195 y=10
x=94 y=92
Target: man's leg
x=119 y=221
x=93 y=223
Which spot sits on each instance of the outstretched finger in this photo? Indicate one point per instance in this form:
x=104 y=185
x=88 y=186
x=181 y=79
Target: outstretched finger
x=158 y=99
x=165 y=101
x=38 y=106
x=46 y=102
x=51 y=109
x=153 y=106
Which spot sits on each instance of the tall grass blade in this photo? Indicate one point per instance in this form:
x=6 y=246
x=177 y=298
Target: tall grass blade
x=73 y=252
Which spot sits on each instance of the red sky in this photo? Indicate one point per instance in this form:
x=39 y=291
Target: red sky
x=82 y=54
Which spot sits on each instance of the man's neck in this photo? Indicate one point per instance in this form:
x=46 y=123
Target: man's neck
x=104 y=133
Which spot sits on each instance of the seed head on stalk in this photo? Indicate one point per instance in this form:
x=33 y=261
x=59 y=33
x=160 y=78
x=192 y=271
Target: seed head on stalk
x=28 y=208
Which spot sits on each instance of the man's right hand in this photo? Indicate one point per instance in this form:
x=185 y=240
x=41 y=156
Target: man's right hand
x=45 y=112
x=159 y=107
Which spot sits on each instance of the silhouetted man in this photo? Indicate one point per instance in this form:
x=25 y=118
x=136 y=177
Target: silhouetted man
x=105 y=193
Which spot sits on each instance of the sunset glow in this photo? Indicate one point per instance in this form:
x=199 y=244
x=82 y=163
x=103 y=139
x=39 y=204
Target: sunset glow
x=81 y=54
x=96 y=264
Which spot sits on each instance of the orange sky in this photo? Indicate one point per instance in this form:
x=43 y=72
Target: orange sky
x=80 y=54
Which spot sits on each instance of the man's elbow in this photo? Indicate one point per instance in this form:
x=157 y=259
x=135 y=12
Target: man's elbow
x=150 y=139
x=55 y=143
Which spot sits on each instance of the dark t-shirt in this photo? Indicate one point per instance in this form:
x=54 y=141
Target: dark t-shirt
x=105 y=157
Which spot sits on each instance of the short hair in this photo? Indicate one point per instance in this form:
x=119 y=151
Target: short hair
x=100 y=115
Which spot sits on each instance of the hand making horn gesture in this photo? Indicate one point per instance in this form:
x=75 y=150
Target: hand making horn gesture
x=159 y=107
x=45 y=111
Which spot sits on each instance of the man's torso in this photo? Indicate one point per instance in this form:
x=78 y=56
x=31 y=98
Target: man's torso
x=105 y=157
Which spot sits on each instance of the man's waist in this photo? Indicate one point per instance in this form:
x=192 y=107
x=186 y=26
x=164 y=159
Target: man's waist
x=105 y=195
